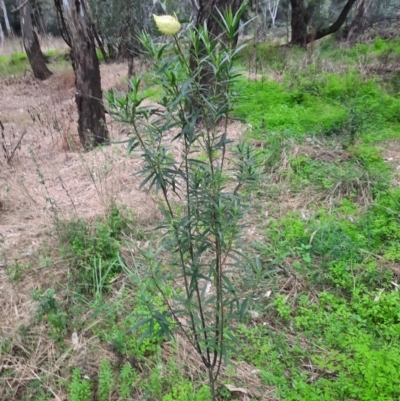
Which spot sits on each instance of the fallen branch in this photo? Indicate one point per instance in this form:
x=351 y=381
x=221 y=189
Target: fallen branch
x=16 y=147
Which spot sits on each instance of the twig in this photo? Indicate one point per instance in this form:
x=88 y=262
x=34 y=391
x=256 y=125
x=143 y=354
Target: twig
x=15 y=148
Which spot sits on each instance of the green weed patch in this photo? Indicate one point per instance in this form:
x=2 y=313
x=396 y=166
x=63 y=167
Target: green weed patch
x=93 y=251
x=329 y=104
x=346 y=333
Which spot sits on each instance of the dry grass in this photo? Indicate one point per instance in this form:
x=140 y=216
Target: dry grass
x=49 y=176
x=47 y=42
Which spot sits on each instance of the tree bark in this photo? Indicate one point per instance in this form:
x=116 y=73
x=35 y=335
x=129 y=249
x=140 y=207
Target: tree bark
x=301 y=16
x=91 y=123
x=1 y=35
x=360 y=19
x=31 y=42
x=6 y=21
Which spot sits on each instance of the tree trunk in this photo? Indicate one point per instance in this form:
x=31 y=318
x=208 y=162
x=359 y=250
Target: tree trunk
x=6 y=21
x=91 y=123
x=301 y=16
x=360 y=19
x=130 y=66
x=31 y=42
x=273 y=10
x=1 y=35
x=298 y=22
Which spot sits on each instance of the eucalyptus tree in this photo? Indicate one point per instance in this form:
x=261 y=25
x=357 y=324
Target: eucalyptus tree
x=31 y=41
x=301 y=21
x=118 y=23
x=360 y=20
x=76 y=27
x=5 y=16
x=272 y=6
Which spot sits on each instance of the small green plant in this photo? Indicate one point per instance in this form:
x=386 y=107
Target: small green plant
x=16 y=270
x=126 y=380
x=184 y=391
x=152 y=387
x=79 y=388
x=106 y=381
x=49 y=309
x=282 y=307
x=93 y=252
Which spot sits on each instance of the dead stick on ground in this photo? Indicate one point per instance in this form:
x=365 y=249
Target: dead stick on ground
x=15 y=148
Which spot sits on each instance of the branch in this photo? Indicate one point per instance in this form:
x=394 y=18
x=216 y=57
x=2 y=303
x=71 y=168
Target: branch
x=22 y=5
x=334 y=27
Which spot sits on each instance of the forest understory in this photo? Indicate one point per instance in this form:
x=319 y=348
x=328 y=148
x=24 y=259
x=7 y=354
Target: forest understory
x=322 y=230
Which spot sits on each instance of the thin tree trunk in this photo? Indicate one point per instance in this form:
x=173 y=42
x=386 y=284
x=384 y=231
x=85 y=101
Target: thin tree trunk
x=112 y=53
x=273 y=10
x=91 y=123
x=360 y=19
x=2 y=40
x=130 y=66
x=6 y=21
x=31 y=42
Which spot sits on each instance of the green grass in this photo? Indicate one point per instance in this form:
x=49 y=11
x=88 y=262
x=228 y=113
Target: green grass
x=310 y=103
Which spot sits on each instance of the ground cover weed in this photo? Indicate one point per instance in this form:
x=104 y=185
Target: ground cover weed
x=345 y=331
x=328 y=103
x=137 y=334
x=106 y=381
x=80 y=388
x=93 y=251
